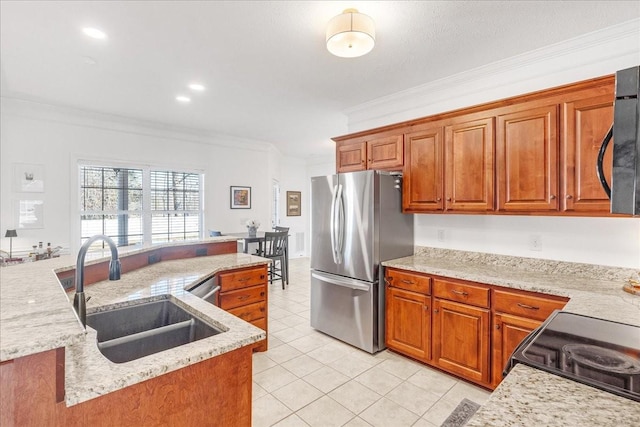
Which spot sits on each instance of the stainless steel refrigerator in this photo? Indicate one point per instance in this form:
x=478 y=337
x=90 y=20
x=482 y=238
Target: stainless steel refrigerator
x=356 y=223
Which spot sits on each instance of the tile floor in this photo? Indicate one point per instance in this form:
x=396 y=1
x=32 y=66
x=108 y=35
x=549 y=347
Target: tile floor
x=307 y=378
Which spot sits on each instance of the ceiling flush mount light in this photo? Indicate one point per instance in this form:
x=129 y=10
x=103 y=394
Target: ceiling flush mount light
x=183 y=99
x=94 y=33
x=196 y=87
x=350 y=34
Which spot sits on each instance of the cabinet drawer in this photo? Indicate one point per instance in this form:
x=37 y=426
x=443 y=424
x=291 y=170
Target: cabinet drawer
x=236 y=279
x=242 y=297
x=260 y=323
x=461 y=292
x=529 y=306
x=250 y=312
x=409 y=281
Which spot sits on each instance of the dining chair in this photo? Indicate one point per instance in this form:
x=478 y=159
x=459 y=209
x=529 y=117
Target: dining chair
x=274 y=249
x=286 y=248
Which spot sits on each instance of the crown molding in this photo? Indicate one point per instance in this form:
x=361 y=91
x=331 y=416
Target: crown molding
x=591 y=55
x=35 y=109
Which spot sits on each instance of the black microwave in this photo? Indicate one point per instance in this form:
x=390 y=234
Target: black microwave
x=624 y=191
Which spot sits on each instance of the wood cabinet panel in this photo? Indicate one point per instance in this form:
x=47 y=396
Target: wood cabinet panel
x=351 y=157
x=250 y=312
x=409 y=281
x=527 y=160
x=385 y=152
x=461 y=291
x=586 y=122
x=461 y=339
x=422 y=183
x=469 y=182
x=237 y=279
x=530 y=306
x=241 y=297
x=508 y=333
x=408 y=327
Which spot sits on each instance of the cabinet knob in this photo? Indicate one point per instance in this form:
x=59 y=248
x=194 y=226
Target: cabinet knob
x=448 y=199
x=426 y=308
x=569 y=196
x=552 y=197
x=261 y=294
x=438 y=199
x=497 y=325
x=436 y=310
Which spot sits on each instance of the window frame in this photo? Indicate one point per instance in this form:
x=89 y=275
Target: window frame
x=146 y=212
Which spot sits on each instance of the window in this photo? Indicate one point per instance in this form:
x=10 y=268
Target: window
x=135 y=206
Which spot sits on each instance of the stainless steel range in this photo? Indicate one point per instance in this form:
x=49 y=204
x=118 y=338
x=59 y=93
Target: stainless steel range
x=596 y=352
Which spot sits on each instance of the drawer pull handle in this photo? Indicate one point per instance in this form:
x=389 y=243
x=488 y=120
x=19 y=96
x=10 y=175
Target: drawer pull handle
x=408 y=282
x=261 y=294
x=262 y=276
x=528 y=307
x=244 y=279
x=463 y=293
x=262 y=309
x=243 y=297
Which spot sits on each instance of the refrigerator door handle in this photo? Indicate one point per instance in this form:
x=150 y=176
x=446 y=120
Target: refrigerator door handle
x=347 y=283
x=340 y=231
x=332 y=224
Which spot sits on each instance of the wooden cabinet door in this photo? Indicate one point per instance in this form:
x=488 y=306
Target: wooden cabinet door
x=586 y=122
x=385 y=153
x=408 y=328
x=508 y=332
x=422 y=181
x=468 y=153
x=351 y=157
x=461 y=339
x=527 y=160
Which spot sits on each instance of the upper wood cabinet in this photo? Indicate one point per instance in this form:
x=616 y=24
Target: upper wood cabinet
x=527 y=160
x=468 y=168
x=586 y=122
x=422 y=181
x=351 y=157
x=531 y=154
x=384 y=152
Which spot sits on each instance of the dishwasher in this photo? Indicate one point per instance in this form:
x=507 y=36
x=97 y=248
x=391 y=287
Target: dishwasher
x=207 y=290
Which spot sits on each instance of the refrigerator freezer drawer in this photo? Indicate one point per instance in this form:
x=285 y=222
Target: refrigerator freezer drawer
x=346 y=309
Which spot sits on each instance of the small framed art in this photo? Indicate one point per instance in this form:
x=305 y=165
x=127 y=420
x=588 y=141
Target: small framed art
x=240 y=197
x=293 y=203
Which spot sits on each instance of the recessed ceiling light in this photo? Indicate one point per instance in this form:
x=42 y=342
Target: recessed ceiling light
x=196 y=87
x=94 y=33
x=183 y=99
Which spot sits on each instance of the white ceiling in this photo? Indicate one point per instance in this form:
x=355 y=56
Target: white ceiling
x=268 y=74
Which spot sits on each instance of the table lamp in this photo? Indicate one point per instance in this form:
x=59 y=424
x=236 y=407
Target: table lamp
x=11 y=234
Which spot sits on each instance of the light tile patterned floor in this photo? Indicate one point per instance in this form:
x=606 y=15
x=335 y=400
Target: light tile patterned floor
x=307 y=378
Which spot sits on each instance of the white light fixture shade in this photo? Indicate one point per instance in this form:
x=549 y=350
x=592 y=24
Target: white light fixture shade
x=351 y=34
x=94 y=33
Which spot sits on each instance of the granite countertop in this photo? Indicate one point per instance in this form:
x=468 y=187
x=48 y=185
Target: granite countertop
x=529 y=396
x=36 y=315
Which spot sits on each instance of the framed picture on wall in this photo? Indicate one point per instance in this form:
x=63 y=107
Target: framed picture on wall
x=28 y=178
x=29 y=213
x=240 y=197
x=294 y=198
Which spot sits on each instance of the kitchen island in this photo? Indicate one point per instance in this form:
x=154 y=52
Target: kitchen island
x=529 y=396
x=38 y=328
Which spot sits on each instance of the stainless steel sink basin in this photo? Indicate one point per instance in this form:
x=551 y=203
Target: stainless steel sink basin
x=138 y=330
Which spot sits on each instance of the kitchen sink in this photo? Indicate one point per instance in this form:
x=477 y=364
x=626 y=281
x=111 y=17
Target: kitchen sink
x=144 y=328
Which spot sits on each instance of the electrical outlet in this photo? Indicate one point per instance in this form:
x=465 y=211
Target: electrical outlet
x=535 y=242
x=440 y=234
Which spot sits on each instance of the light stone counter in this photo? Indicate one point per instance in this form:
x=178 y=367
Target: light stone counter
x=36 y=315
x=529 y=396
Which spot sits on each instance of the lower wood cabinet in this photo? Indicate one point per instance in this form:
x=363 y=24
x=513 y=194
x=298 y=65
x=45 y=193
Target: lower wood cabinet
x=409 y=308
x=465 y=328
x=243 y=293
x=461 y=338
